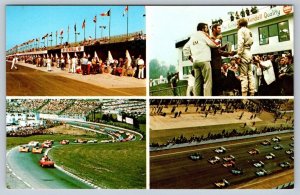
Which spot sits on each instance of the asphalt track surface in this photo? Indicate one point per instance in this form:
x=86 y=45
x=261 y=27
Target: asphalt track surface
x=30 y=82
x=26 y=166
x=172 y=169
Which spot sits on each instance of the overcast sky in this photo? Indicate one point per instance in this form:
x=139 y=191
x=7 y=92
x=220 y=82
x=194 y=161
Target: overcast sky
x=166 y=24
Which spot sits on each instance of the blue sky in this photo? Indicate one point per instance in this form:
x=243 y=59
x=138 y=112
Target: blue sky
x=24 y=23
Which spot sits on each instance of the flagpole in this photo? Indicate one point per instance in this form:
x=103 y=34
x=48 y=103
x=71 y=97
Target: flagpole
x=56 y=37
x=68 y=33
x=84 y=30
x=95 y=27
x=109 y=25
x=127 y=21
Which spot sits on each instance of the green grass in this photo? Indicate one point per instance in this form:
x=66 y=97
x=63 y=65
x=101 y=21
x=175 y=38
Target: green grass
x=113 y=165
x=165 y=89
x=16 y=141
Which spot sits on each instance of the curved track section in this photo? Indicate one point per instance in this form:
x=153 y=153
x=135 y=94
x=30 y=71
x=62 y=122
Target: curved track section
x=26 y=168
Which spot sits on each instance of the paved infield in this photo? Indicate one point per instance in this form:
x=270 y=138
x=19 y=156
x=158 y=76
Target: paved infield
x=30 y=80
x=172 y=169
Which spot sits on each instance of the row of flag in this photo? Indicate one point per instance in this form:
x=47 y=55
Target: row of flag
x=108 y=13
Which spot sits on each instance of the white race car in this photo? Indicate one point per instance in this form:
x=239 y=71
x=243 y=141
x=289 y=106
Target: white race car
x=270 y=156
x=214 y=160
x=259 y=164
x=276 y=139
x=278 y=147
x=285 y=165
x=33 y=143
x=261 y=172
x=220 y=150
x=290 y=151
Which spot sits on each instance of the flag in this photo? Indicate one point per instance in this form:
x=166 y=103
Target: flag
x=128 y=57
x=125 y=11
x=62 y=32
x=50 y=35
x=83 y=24
x=37 y=39
x=110 y=58
x=95 y=19
x=105 y=13
x=75 y=27
x=96 y=55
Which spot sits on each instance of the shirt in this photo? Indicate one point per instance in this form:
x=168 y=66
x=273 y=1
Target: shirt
x=245 y=40
x=199 y=47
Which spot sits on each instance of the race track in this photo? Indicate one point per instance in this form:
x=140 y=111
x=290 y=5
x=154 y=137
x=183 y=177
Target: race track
x=30 y=82
x=172 y=169
x=27 y=168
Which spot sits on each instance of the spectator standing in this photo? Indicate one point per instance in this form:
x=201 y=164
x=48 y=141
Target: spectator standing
x=198 y=50
x=245 y=41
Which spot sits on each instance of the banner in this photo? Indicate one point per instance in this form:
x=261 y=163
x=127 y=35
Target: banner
x=73 y=49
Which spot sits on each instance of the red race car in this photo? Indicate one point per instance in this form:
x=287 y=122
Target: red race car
x=46 y=162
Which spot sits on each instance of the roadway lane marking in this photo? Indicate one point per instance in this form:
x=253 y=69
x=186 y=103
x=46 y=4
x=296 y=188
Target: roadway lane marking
x=168 y=154
x=13 y=173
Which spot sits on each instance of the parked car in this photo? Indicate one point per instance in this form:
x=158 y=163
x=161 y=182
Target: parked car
x=276 y=139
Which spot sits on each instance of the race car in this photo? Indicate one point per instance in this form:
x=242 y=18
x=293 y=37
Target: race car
x=81 y=141
x=265 y=143
x=220 y=150
x=33 y=143
x=291 y=144
x=253 y=151
x=46 y=145
x=222 y=184
x=46 y=162
x=270 y=156
x=214 y=160
x=64 y=142
x=92 y=141
x=292 y=157
x=237 y=171
x=37 y=150
x=229 y=158
x=276 y=139
x=278 y=147
x=261 y=172
x=196 y=156
x=49 y=141
x=285 y=165
x=292 y=138
x=258 y=164
x=229 y=164
x=290 y=151
x=23 y=149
